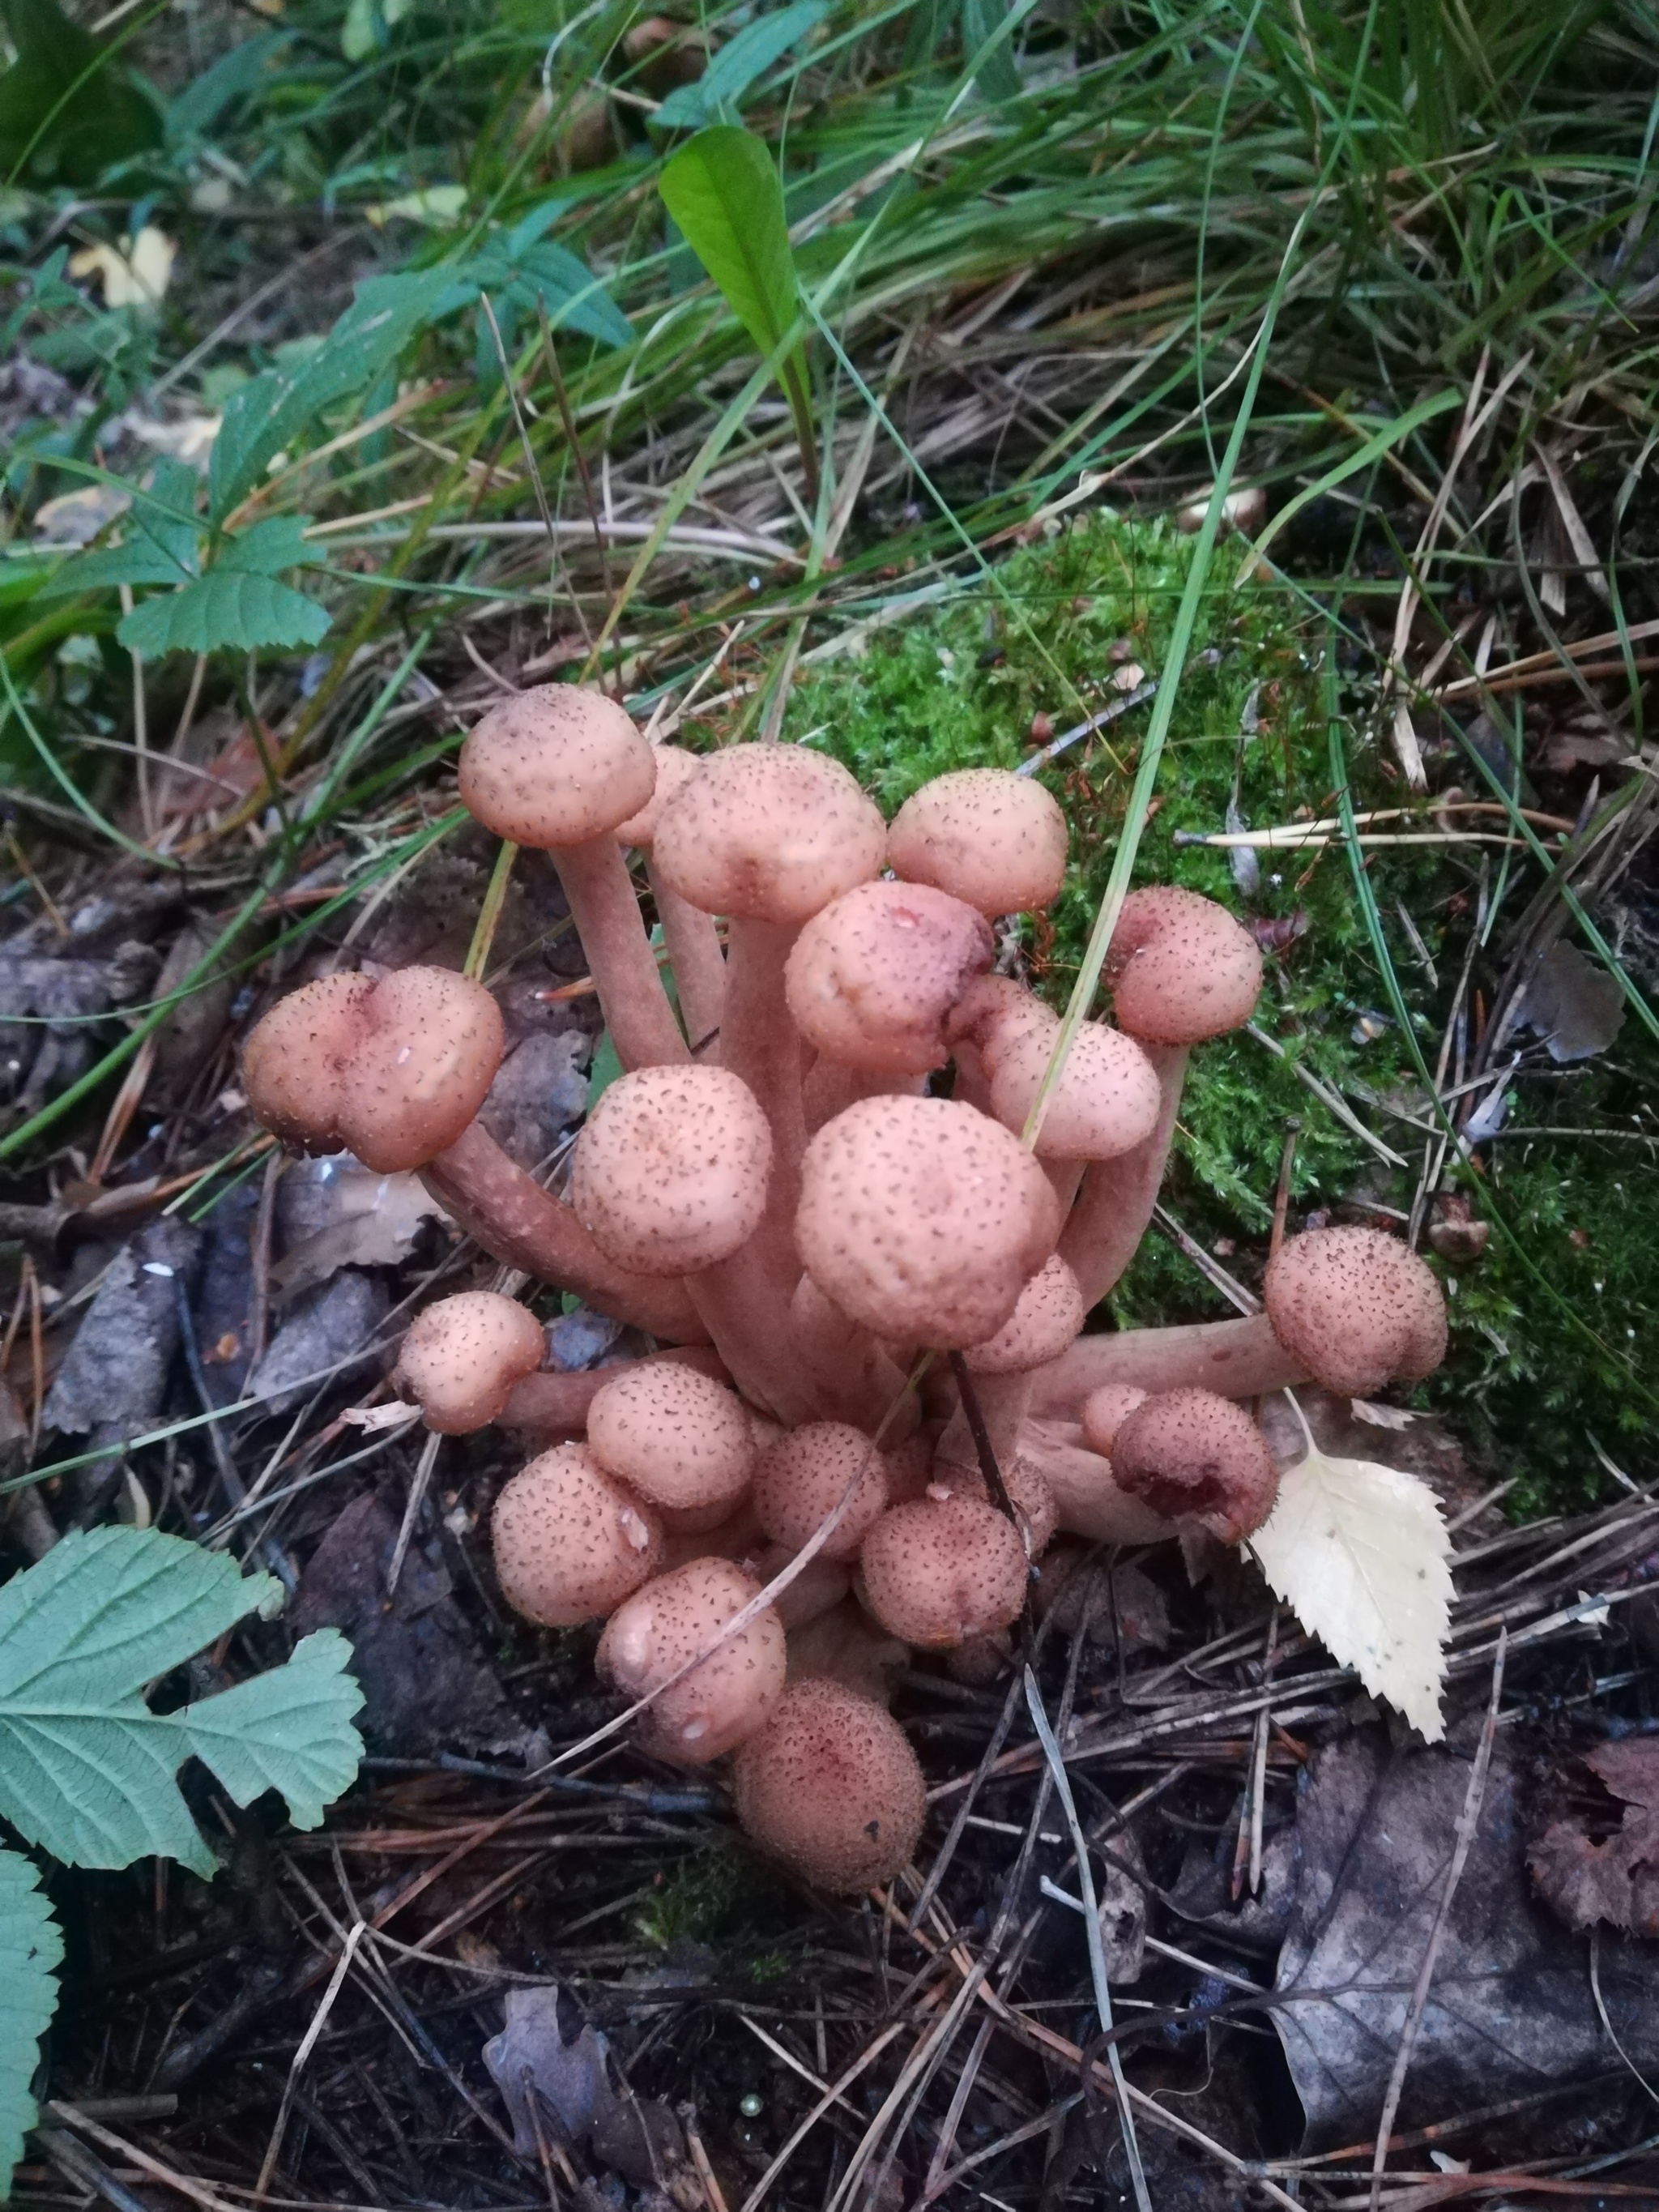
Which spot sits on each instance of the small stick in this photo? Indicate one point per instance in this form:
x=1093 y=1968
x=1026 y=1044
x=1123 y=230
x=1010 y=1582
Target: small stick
x=417 y=1490
x=1282 y=1195
x=307 y=2044
x=1052 y=750
x=988 y=1458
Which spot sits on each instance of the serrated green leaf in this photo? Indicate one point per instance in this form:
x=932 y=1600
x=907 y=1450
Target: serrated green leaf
x=86 y=1771
x=267 y=547
x=31 y=1949
x=138 y=561
x=227 y=606
x=165 y=511
x=67 y=111
x=738 y=64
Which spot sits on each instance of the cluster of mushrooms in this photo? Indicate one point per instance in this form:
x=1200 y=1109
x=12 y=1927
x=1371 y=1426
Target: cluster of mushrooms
x=874 y=1410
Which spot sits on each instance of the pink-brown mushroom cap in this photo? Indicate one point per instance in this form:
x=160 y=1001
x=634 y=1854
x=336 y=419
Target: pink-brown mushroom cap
x=675 y=769
x=993 y=839
x=461 y=1356
x=802 y=1478
x=943 y=1570
x=393 y=1069
x=1028 y=1493
x=1192 y=1455
x=1358 y=1306
x=670 y=1172
x=680 y=1439
x=571 y=1541
x=729 y=1694
x=831 y=1786
x=1049 y=1313
x=555 y=767
x=1105 y=1411
x=874 y=974
x=923 y=1218
x=1180 y=968
x=768 y=833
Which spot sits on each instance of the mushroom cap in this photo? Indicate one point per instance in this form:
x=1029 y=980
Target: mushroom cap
x=872 y=975
x=831 y=1786
x=1028 y=1489
x=768 y=833
x=392 y=1069
x=923 y=1218
x=989 y=837
x=725 y=1698
x=1192 y=1455
x=671 y=1170
x=1049 y=1313
x=555 y=766
x=1105 y=1411
x=1180 y=968
x=1107 y=1100
x=680 y=1438
x=675 y=767
x=1356 y=1307
x=801 y=1478
x=462 y=1355
x=943 y=1570
x=570 y=1541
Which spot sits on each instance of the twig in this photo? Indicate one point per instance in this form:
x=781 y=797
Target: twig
x=307 y=2044
x=417 y=1490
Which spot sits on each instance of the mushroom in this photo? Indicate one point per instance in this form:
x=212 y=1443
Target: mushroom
x=688 y=935
x=819 y=1586
x=851 y=1377
x=679 y=1438
x=831 y=1786
x=1105 y=1410
x=942 y=1570
x=553 y=1406
x=560 y=767
x=728 y=1694
x=1035 y=1509
x=392 y=1069
x=570 y=1541
x=993 y=839
x=1356 y=1308
x=874 y=976
x=923 y=1220
x=804 y=1476
x=1048 y=1315
x=1106 y=1100
x=1240 y=1359
x=461 y=1356
x=1088 y=1499
x=845 y=1645
x=1193 y=1457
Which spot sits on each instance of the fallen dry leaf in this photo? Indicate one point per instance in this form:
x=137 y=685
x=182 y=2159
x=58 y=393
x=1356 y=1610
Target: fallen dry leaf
x=1617 y=1879
x=1359 y=1552
x=1573 y=1004
x=137 y=277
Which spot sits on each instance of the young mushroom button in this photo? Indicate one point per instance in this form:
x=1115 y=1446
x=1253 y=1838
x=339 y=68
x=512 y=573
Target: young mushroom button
x=680 y=1438
x=728 y=1694
x=1193 y=1456
x=670 y=1172
x=570 y=1541
x=993 y=839
x=874 y=975
x=803 y=1477
x=1180 y=968
x=462 y=1356
x=1107 y=1100
x=1357 y=1307
x=943 y=1570
x=831 y=1786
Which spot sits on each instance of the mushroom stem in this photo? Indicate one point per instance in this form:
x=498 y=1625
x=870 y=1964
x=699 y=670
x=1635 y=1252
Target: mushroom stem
x=522 y=1225
x=1115 y=1206
x=550 y=1404
x=1235 y=1358
x=739 y=1303
x=1086 y=1494
x=1004 y=1403
x=830 y=1088
x=759 y=1042
x=853 y=1378
x=695 y=956
x=600 y=892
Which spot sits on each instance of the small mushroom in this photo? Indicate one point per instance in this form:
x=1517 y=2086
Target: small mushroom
x=1357 y=1307
x=670 y=1171
x=1107 y=1099
x=462 y=1356
x=727 y=1696
x=1193 y=1457
x=1029 y=1492
x=802 y=1478
x=923 y=1220
x=1105 y=1411
x=570 y=1541
x=680 y=1439
x=560 y=767
x=943 y=1570
x=1180 y=968
x=874 y=975
x=1048 y=1315
x=831 y=1786
x=993 y=839
x=392 y=1069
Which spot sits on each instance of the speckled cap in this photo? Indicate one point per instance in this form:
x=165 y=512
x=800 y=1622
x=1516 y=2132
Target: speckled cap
x=874 y=976
x=1357 y=1307
x=570 y=1541
x=802 y=1476
x=670 y=1172
x=768 y=833
x=942 y=1570
x=555 y=767
x=1049 y=1313
x=1192 y=1455
x=725 y=1698
x=1180 y=968
x=993 y=839
x=831 y=1786
x=680 y=1438
x=462 y=1355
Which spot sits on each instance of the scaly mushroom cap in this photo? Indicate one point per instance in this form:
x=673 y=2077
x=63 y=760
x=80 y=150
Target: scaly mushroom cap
x=570 y=1541
x=1105 y=1411
x=723 y=1701
x=1356 y=1307
x=670 y=1169
x=1107 y=1100
x=873 y=974
x=680 y=1438
x=768 y=833
x=989 y=837
x=1180 y=968
x=943 y=1570
x=1192 y=1455
x=392 y=1070
x=831 y=1786
x=462 y=1356
x=923 y=1220
x=555 y=767
x=1028 y=1489
x=1049 y=1314
x=802 y=1477
x=675 y=769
